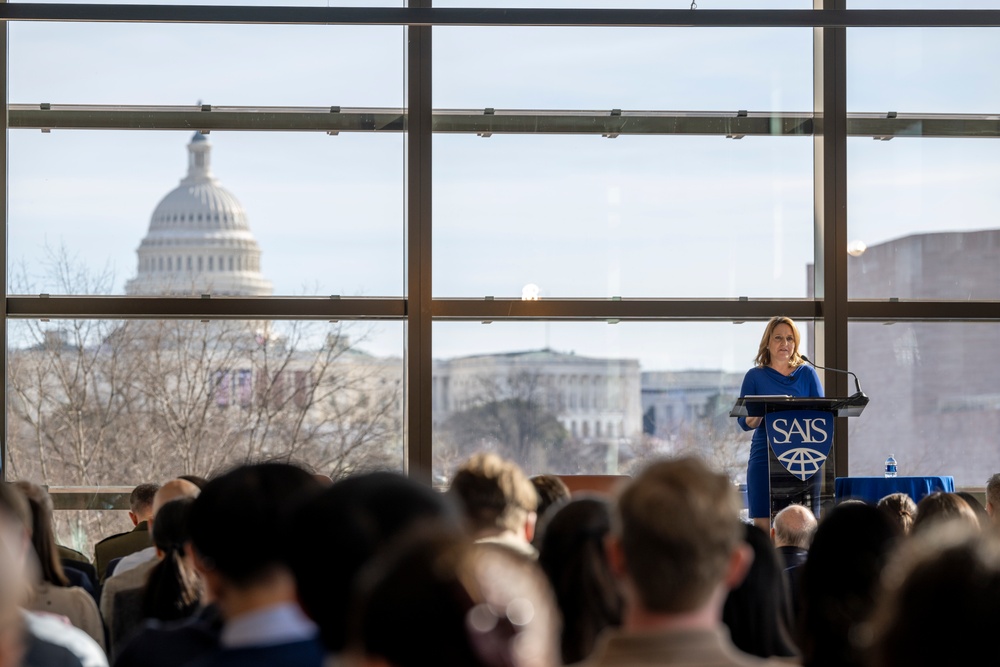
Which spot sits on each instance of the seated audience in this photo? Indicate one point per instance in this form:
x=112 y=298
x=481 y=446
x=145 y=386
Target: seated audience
x=437 y=599
x=122 y=593
x=941 y=601
x=498 y=501
x=361 y=514
x=792 y=534
x=676 y=547
x=901 y=509
x=943 y=506
x=123 y=544
x=53 y=592
x=572 y=556
x=852 y=544
x=174 y=589
x=758 y=611
x=241 y=545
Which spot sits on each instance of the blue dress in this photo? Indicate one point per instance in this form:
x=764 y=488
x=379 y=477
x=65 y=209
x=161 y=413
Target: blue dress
x=764 y=380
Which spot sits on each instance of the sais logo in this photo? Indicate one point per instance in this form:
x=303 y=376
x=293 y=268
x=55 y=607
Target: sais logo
x=801 y=439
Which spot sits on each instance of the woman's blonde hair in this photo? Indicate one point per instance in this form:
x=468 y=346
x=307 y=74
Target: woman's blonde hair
x=764 y=354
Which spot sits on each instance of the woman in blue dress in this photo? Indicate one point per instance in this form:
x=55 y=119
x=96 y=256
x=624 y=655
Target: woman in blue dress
x=780 y=370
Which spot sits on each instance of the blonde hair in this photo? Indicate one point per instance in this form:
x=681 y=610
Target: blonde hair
x=764 y=353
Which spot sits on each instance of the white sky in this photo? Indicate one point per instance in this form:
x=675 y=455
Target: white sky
x=580 y=216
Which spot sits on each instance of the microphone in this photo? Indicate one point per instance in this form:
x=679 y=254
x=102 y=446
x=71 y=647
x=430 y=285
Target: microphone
x=858 y=396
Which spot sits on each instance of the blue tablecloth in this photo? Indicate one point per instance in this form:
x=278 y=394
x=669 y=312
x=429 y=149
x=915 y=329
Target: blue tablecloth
x=872 y=489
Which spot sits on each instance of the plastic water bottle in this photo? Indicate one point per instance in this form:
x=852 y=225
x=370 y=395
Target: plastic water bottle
x=890 y=466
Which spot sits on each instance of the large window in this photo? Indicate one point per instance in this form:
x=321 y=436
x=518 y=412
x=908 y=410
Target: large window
x=574 y=222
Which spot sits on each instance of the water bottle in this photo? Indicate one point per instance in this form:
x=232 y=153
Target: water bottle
x=890 y=466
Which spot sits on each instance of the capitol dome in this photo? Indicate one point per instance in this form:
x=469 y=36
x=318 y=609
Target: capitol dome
x=199 y=241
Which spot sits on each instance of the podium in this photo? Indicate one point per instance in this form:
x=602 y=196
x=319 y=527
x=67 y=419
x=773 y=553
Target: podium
x=799 y=433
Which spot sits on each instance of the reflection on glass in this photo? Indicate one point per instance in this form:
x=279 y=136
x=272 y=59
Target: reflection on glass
x=571 y=398
x=934 y=401
x=923 y=218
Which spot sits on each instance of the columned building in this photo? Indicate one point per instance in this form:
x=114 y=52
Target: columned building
x=199 y=240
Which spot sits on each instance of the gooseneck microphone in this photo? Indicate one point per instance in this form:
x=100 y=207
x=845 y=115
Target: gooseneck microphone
x=858 y=396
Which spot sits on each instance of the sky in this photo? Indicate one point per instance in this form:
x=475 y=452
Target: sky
x=579 y=216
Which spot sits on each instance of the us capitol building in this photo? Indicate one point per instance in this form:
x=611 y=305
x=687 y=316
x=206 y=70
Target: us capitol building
x=199 y=241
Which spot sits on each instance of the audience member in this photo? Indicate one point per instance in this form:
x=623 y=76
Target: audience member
x=840 y=582
x=48 y=639
x=437 y=599
x=758 y=611
x=901 y=509
x=676 y=546
x=123 y=544
x=174 y=588
x=241 y=545
x=792 y=533
x=977 y=508
x=942 y=506
x=551 y=491
x=573 y=558
x=993 y=499
x=498 y=500
x=12 y=639
x=361 y=514
x=941 y=600
x=53 y=592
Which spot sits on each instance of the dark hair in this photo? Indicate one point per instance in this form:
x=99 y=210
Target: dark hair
x=197 y=480
x=173 y=590
x=14 y=504
x=239 y=520
x=436 y=598
x=977 y=507
x=551 y=490
x=141 y=497
x=362 y=513
x=572 y=556
x=43 y=537
x=840 y=582
x=758 y=611
x=943 y=506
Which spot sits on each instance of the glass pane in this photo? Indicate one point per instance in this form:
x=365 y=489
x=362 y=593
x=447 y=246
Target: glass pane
x=96 y=404
x=922 y=219
x=645 y=214
x=590 y=398
x=232 y=213
x=934 y=403
x=932 y=70
x=230 y=65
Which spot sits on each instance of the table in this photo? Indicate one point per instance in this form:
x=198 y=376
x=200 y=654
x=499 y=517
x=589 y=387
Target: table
x=872 y=489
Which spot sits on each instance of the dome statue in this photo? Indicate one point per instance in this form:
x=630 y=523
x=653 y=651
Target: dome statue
x=199 y=241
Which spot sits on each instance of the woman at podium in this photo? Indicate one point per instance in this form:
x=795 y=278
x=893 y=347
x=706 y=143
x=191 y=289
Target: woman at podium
x=779 y=370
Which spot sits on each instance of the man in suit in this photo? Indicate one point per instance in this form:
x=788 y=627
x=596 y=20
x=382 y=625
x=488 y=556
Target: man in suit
x=123 y=544
x=677 y=549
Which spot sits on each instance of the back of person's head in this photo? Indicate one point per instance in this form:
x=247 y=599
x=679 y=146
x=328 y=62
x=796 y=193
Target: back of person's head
x=572 y=555
x=437 y=599
x=794 y=526
x=943 y=506
x=900 y=508
x=977 y=508
x=758 y=610
x=238 y=522
x=197 y=480
x=140 y=501
x=494 y=493
x=551 y=491
x=174 y=589
x=43 y=537
x=993 y=497
x=678 y=525
x=849 y=551
x=941 y=600
x=360 y=514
